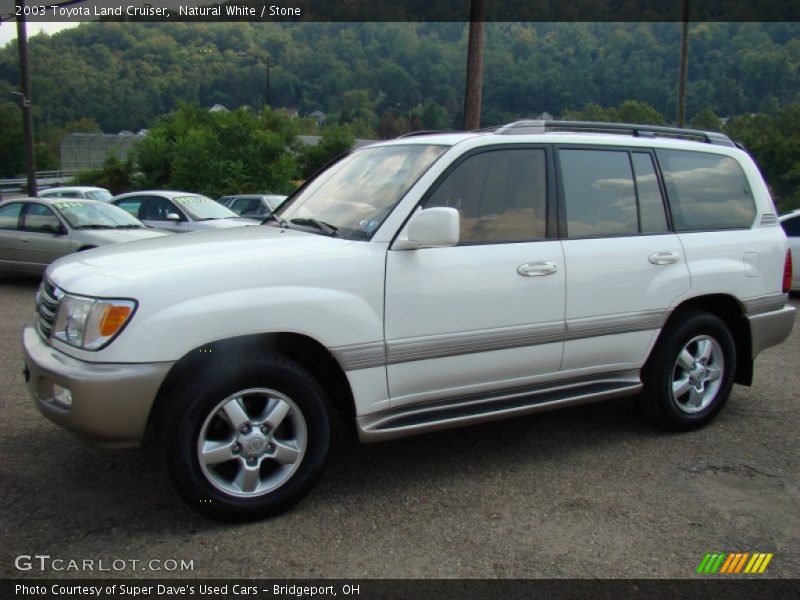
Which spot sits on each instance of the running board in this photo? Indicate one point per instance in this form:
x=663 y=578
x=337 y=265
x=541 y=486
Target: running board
x=466 y=410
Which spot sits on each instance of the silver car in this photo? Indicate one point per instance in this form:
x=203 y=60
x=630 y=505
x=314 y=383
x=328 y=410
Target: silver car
x=36 y=231
x=252 y=206
x=179 y=211
x=78 y=191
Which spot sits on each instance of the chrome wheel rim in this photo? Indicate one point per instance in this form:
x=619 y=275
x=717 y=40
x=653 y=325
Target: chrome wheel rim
x=252 y=442
x=697 y=375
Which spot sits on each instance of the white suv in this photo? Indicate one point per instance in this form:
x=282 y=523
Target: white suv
x=417 y=284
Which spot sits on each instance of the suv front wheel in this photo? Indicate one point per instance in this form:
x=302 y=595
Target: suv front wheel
x=248 y=438
x=689 y=374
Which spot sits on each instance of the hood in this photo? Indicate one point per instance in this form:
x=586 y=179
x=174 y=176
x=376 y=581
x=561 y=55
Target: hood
x=223 y=223
x=235 y=257
x=101 y=237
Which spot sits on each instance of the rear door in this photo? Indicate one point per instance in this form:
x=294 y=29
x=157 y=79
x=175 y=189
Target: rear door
x=625 y=268
x=10 y=236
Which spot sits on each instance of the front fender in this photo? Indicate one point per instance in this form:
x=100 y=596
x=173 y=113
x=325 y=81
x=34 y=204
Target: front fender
x=332 y=317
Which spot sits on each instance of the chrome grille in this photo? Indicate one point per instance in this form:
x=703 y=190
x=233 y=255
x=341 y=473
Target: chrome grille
x=47 y=299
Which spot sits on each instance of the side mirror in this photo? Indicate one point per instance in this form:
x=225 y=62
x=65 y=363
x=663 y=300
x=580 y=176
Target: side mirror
x=173 y=217
x=437 y=227
x=54 y=229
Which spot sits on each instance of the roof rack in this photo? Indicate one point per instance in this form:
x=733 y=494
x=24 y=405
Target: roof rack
x=649 y=131
x=423 y=132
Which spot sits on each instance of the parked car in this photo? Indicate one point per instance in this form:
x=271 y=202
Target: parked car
x=179 y=211
x=791 y=227
x=90 y=193
x=36 y=231
x=417 y=284
x=252 y=206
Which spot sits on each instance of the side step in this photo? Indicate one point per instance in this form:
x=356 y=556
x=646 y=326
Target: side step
x=466 y=410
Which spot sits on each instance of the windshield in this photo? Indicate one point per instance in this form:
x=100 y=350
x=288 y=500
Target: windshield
x=85 y=215
x=101 y=195
x=355 y=195
x=201 y=208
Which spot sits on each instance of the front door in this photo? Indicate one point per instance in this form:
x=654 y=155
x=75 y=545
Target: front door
x=486 y=314
x=42 y=235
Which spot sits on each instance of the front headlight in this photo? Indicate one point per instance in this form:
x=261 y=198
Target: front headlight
x=90 y=323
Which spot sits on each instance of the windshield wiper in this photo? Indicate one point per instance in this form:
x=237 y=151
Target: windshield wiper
x=324 y=227
x=94 y=226
x=129 y=226
x=277 y=218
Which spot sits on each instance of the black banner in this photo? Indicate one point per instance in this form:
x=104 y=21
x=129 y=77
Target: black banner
x=732 y=588
x=400 y=10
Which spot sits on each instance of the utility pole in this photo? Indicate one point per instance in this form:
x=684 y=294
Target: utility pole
x=27 y=109
x=684 y=65
x=269 y=89
x=472 y=94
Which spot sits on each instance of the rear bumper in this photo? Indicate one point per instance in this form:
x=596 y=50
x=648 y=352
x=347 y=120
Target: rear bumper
x=770 y=328
x=110 y=402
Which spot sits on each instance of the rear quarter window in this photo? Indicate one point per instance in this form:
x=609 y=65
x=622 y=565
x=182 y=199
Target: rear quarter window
x=706 y=191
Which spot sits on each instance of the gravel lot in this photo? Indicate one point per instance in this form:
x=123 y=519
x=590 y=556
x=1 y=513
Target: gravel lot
x=585 y=492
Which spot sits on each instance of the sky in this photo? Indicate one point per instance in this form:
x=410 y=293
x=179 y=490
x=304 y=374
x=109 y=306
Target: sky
x=8 y=29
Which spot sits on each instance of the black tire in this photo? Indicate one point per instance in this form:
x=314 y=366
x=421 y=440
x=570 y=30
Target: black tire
x=188 y=412
x=663 y=373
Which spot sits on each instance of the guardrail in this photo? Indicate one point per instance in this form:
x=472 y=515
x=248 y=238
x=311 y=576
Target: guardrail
x=44 y=180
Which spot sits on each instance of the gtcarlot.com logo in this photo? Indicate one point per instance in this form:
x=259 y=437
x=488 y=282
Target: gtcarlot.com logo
x=45 y=562
x=734 y=563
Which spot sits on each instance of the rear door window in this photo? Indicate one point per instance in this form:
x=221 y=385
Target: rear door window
x=599 y=193
x=131 y=205
x=9 y=215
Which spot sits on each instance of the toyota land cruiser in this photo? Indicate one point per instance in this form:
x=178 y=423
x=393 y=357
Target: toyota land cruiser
x=416 y=284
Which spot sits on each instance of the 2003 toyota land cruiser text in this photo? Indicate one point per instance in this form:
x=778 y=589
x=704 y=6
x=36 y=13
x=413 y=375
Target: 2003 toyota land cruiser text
x=416 y=284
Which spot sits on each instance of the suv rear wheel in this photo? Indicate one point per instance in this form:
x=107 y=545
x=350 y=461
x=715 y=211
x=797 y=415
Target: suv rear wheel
x=689 y=374
x=248 y=438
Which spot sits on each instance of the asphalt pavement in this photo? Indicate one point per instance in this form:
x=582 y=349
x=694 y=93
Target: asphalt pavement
x=587 y=492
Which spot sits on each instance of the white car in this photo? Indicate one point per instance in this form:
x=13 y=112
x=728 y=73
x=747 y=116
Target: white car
x=81 y=191
x=417 y=284
x=179 y=212
x=791 y=227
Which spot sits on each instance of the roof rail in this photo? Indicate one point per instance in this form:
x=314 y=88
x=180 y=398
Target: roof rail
x=651 y=131
x=422 y=132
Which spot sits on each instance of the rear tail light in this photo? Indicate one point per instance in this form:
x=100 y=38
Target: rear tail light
x=787 y=273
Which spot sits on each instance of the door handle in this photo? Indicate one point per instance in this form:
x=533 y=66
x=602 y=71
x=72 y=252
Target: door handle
x=664 y=258
x=537 y=269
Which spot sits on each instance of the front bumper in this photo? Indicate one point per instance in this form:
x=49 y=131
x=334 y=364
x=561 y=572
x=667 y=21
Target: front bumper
x=770 y=328
x=110 y=402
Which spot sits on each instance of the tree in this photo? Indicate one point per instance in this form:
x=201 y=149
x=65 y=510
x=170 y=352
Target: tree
x=336 y=140
x=219 y=153
x=633 y=111
x=707 y=120
x=115 y=175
